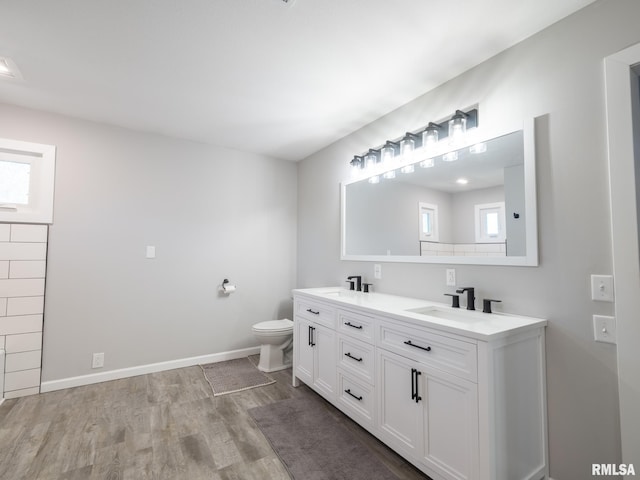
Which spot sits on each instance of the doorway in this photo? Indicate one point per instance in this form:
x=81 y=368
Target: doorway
x=622 y=88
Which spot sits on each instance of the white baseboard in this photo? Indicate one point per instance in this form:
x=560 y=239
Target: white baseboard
x=70 y=382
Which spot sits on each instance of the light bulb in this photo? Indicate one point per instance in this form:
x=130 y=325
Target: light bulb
x=478 y=148
x=356 y=166
x=462 y=181
x=408 y=169
x=457 y=127
x=390 y=174
x=428 y=163
x=430 y=136
x=387 y=153
x=374 y=179
x=369 y=162
x=450 y=157
x=407 y=147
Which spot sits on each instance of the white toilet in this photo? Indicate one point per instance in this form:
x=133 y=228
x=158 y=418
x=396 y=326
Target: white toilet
x=276 y=337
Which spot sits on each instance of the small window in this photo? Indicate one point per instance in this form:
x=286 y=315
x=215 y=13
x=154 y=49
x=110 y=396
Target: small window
x=490 y=223
x=26 y=182
x=14 y=181
x=428 y=220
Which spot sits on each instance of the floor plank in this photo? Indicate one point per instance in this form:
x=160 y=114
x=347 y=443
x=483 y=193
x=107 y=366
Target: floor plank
x=160 y=426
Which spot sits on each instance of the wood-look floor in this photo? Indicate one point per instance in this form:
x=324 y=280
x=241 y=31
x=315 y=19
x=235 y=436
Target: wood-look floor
x=165 y=425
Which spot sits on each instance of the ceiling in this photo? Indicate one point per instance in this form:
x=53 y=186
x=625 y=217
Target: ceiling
x=264 y=76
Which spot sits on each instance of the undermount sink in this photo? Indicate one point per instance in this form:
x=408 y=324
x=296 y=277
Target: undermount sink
x=446 y=313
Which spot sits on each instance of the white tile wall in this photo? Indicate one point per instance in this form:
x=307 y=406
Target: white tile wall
x=5 y=232
x=26 y=269
x=463 y=249
x=25 y=305
x=29 y=233
x=20 y=324
x=4 y=269
x=16 y=362
x=23 y=251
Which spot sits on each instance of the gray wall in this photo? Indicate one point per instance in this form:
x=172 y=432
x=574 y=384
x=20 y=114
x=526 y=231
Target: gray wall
x=464 y=212
x=514 y=203
x=211 y=213
x=384 y=217
x=557 y=77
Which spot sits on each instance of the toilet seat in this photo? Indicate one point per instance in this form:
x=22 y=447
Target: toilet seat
x=274 y=326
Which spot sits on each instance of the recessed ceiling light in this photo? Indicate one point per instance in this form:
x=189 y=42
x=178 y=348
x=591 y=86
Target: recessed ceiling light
x=8 y=68
x=462 y=181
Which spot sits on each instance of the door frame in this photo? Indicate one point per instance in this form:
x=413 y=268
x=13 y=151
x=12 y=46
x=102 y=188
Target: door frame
x=621 y=90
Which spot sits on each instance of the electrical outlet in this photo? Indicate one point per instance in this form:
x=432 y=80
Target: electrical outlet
x=451 y=277
x=377 y=271
x=604 y=329
x=98 y=360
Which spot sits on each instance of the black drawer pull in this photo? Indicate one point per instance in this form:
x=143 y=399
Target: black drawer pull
x=348 y=390
x=408 y=342
x=348 y=354
x=349 y=324
x=313 y=311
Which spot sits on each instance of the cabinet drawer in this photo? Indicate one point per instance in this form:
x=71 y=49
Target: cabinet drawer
x=448 y=354
x=317 y=312
x=356 y=325
x=356 y=399
x=356 y=357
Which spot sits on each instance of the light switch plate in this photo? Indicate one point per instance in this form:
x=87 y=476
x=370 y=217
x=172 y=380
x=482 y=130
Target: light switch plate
x=604 y=329
x=151 y=251
x=602 y=288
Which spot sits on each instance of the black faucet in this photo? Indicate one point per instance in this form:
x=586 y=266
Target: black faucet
x=470 y=297
x=455 y=300
x=486 y=304
x=358 y=279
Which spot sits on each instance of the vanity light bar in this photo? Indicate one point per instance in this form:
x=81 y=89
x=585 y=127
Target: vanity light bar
x=427 y=136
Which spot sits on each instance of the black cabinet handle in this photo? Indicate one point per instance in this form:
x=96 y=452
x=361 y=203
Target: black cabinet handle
x=414 y=385
x=311 y=339
x=348 y=391
x=348 y=354
x=349 y=324
x=408 y=342
x=313 y=311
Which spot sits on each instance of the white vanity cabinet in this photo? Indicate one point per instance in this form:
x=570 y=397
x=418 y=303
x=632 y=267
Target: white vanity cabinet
x=424 y=411
x=314 y=338
x=461 y=395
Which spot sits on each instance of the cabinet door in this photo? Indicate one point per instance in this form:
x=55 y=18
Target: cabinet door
x=450 y=424
x=303 y=350
x=324 y=360
x=399 y=415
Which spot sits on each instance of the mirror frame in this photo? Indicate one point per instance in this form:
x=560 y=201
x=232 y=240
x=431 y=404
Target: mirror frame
x=531 y=216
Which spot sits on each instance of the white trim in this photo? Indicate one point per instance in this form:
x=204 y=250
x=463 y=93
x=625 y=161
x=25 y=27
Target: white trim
x=624 y=233
x=70 y=382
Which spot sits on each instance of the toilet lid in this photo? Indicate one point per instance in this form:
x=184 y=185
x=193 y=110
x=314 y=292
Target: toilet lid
x=274 y=325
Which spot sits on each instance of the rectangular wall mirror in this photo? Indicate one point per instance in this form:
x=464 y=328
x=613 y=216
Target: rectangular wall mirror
x=475 y=204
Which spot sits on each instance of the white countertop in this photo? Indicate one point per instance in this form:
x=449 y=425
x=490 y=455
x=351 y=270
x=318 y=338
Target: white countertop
x=470 y=323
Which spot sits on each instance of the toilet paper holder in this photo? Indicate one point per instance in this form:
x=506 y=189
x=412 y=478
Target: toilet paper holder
x=227 y=287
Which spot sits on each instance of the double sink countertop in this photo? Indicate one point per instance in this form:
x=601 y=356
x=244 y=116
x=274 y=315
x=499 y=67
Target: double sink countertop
x=460 y=321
